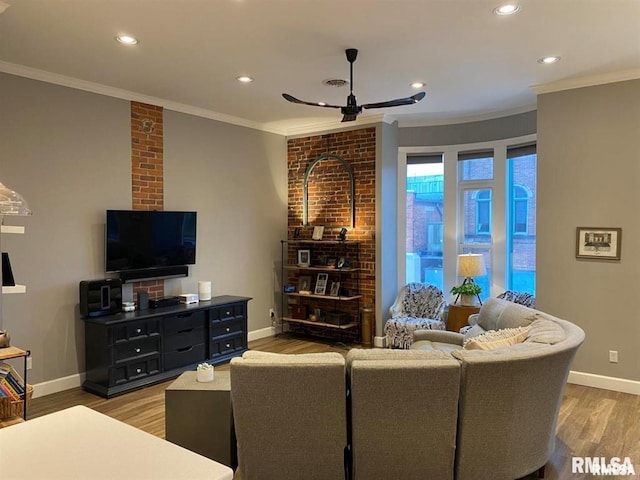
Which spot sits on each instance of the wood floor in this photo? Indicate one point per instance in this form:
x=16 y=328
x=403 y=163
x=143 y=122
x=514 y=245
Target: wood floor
x=592 y=422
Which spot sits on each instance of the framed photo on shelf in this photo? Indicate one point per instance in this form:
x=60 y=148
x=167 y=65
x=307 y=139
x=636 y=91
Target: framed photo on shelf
x=304 y=258
x=343 y=262
x=304 y=284
x=318 y=232
x=321 y=284
x=332 y=262
x=598 y=243
x=335 y=289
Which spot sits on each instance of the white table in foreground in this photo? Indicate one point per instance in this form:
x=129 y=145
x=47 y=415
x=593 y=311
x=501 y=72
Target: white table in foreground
x=80 y=443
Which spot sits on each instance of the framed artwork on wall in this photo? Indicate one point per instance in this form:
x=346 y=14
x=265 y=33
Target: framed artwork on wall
x=598 y=243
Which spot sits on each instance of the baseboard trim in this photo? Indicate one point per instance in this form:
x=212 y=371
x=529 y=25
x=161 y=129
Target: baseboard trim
x=621 y=385
x=262 y=333
x=58 y=385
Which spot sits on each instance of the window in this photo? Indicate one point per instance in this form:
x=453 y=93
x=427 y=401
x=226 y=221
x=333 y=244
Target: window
x=425 y=219
x=483 y=212
x=476 y=198
x=521 y=243
x=519 y=209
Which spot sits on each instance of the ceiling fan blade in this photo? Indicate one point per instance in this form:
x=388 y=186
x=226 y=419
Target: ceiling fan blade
x=349 y=118
x=398 y=102
x=293 y=99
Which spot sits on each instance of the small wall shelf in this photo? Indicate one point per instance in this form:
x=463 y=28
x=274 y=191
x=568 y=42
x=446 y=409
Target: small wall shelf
x=14 y=289
x=11 y=229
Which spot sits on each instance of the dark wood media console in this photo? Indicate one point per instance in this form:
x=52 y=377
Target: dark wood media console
x=131 y=350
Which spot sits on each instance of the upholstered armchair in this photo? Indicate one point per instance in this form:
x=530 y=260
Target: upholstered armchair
x=521 y=298
x=417 y=306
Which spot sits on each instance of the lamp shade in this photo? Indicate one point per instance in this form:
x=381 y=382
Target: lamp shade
x=471 y=265
x=12 y=203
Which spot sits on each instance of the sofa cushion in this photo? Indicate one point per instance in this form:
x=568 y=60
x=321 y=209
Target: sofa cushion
x=497 y=339
x=497 y=314
x=393 y=354
x=429 y=346
x=544 y=330
x=474 y=331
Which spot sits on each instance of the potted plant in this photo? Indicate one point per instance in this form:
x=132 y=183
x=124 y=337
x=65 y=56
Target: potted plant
x=468 y=293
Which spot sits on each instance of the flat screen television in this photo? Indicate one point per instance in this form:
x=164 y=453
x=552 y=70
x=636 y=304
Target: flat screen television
x=139 y=239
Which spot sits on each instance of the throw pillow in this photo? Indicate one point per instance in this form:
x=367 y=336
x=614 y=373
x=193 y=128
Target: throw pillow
x=497 y=339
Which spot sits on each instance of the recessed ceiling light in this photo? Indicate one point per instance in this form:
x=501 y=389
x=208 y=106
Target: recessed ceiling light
x=127 y=39
x=418 y=84
x=507 y=9
x=244 y=79
x=548 y=60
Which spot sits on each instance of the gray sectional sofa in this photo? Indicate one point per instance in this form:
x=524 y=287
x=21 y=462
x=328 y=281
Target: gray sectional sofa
x=438 y=410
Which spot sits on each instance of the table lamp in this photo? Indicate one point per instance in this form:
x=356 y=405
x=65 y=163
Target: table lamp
x=471 y=265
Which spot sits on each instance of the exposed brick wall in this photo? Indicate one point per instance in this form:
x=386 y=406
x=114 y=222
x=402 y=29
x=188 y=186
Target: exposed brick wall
x=147 y=174
x=328 y=200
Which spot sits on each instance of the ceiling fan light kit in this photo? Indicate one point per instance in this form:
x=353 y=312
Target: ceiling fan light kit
x=351 y=110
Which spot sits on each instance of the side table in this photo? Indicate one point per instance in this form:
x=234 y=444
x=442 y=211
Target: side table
x=458 y=316
x=199 y=417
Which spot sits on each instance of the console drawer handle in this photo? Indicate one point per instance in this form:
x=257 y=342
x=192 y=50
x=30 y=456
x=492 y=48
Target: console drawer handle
x=138 y=370
x=228 y=345
x=228 y=329
x=184 y=315
x=228 y=313
x=137 y=350
x=187 y=330
x=138 y=330
x=185 y=349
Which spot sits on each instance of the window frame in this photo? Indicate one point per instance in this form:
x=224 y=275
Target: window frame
x=452 y=201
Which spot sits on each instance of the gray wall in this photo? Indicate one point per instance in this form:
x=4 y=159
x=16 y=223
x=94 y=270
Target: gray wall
x=68 y=152
x=589 y=176
x=469 y=132
x=386 y=222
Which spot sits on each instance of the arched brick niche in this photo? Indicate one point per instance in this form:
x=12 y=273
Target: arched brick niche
x=328 y=193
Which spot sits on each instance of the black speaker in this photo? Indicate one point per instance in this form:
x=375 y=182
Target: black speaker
x=143 y=301
x=100 y=297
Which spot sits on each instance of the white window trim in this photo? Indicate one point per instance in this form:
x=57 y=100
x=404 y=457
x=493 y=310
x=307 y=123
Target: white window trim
x=452 y=232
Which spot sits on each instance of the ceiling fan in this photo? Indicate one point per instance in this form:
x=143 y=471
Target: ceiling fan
x=352 y=109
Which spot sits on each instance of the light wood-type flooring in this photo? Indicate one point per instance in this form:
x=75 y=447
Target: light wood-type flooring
x=592 y=422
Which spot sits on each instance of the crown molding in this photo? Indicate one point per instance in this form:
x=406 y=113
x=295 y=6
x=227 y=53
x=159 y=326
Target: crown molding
x=590 y=81
x=63 y=80
x=331 y=126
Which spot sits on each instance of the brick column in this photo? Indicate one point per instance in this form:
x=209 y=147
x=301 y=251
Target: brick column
x=147 y=175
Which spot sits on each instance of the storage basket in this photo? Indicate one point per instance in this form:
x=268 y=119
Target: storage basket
x=10 y=407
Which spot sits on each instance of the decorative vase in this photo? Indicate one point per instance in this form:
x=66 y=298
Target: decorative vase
x=467 y=300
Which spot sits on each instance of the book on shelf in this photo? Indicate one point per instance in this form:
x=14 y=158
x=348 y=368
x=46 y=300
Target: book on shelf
x=8 y=390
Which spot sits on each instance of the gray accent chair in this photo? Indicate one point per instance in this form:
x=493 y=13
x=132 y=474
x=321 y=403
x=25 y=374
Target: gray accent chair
x=510 y=396
x=290 y=415
x=404 y=409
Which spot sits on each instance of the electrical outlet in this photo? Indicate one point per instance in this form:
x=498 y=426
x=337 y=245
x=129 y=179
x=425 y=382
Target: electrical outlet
x=29 y=363
x=613 y=356
x=272 y=314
